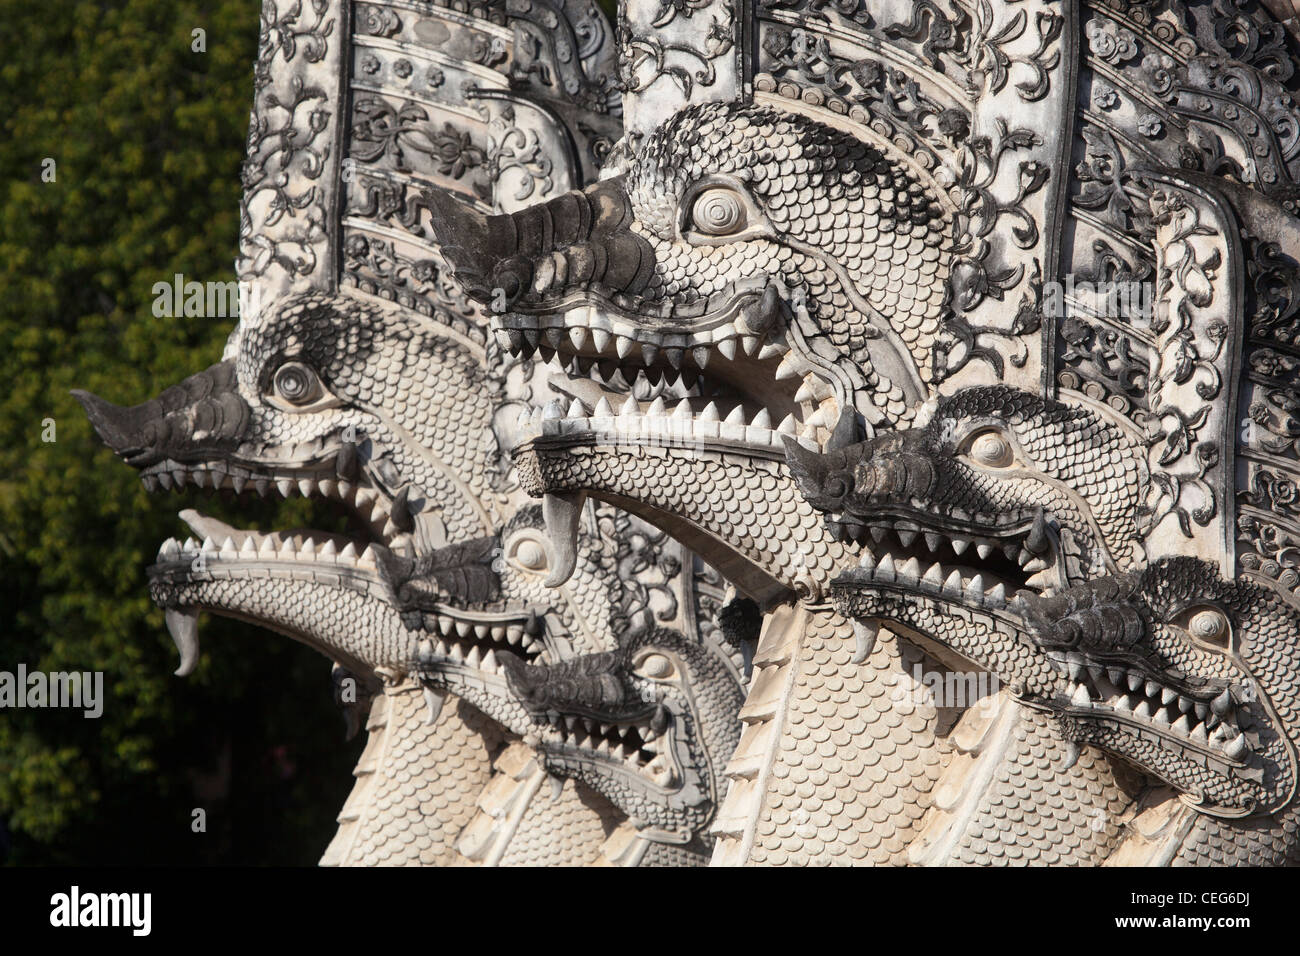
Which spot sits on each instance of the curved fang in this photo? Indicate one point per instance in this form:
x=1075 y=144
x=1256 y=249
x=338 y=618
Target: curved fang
x=561 y=514
x=865 y=633
x=183 y=625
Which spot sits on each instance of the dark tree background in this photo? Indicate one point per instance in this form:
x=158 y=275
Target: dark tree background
x=147 y=137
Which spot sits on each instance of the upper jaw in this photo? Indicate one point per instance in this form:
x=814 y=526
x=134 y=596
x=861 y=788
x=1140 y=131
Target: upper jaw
x=739 y=365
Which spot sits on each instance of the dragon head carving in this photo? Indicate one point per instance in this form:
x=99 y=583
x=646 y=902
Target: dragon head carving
x=743 y=245
x=1188 y=676
x=392 y=417
x=1029 y=490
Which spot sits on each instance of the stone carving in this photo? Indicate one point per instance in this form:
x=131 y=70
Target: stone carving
x=956 y=341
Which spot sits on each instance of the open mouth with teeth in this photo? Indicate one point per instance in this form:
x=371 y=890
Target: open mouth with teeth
x=1026 y=557
x=503 y=684
x=636 y=746
x=334 y=475
x=735 y=381
x=1197 y=733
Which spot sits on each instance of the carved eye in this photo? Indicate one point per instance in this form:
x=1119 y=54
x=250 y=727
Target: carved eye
x=526 y=550
x=296 y=383
x=1209 y=626
x=837 y=486
x=657 y=667
x=719 y=211
x=531 y=555
x=992 y=449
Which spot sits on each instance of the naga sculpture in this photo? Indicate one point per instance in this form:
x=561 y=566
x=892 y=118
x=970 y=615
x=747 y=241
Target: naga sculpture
x=957 y=342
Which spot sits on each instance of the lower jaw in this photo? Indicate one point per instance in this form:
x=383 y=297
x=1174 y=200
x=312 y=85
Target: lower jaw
x=742 y=513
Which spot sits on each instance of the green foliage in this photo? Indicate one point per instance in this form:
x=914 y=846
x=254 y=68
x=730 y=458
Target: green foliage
x=148 y=138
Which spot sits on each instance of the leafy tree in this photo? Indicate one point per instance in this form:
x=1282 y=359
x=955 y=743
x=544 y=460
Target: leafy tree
x=146 y=138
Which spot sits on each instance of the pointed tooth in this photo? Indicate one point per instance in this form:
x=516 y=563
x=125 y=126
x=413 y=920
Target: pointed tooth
x=787 y=426
x=789 y=367
x=1185 y=704
x=736 y=416
x=249 y=548
x=1074 y=665
x=727 y=347
x=400 y=511
x=1080 y=697
x=349 y=552
x=932 y=541
x=683 y=410
x=709 y=414
x=630 y=407
x=910 y=570
x=1198 y=733
x=885 y=569
x=975 y=587
x=603 y=409
x=983 y=550
x=1235 y=747
x=907 y=537
x=959 y=545
x=649 y=352
x=329 y=549
x=1161 y=717
x=658 y=409
x=762 y=420
x=284 y=486
x=953 y=584
x=1135 y=682
x=1222 y=704
x=1182 y=725
x=306 y=487
x=997 y=597
x=934 y=576
x=623 y=346
x=1151 y=688
x=1143 y=709
x=1167 y=696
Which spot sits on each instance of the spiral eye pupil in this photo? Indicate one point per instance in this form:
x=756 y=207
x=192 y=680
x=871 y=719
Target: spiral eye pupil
x=991 y=449
x=718 y=212
x=1208 y=626
x=531 y=555
x=295 y=383
x=657 y=666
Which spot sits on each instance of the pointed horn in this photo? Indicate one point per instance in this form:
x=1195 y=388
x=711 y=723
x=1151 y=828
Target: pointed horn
x=201 y=414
